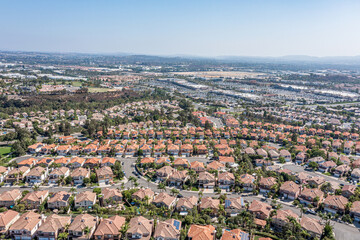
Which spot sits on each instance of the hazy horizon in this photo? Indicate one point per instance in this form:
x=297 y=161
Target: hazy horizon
x=200 y=29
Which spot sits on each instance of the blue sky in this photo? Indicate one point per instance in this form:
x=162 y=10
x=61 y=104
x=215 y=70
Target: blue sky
x=197 y=27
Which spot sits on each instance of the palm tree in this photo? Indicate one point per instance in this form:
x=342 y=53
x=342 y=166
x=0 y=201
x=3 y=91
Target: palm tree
x=132 y=180
x=124 y=229
x=86 y=231
x=200 y=193
x=63 y=236
x=35 y=187
x=62 y=180
x=302 y=210
x=174 y=191
x=162 y=186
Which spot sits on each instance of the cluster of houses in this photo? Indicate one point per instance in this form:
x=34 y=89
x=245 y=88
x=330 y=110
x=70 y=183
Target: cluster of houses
x=306 y=188
x=31 y=224
x=304 y=115
x=37 y=171
x=48 y=119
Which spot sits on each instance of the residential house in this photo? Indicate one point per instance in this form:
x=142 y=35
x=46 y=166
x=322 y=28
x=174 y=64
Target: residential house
x=9 y=198
x=178 y=178
x=108 y=162
x=142 y=194
x=235 y=205
x=29 y=162
x=266 y=184
x=216 y=165
x=110 y=228
x=348 y=190
x=111 y=195
x=281 y=218
x=300 y=158
x=206 y=180
x=85 y=199
x=261 y=210
x=312 y=196
x=59 y=200
x=290 y=190
x=77 y=162
x=181 y=162
x=164 y=200
x=197 y=166
x=79 y=174
x=104 y=175
x=25 y=227
x=274 y=155
x=247 y=182
x=186 y=150
x=226 y=180
x=355 y=211
x=210 y=203
x=17 y=174
x=82 y=227
x=335 y=204
x=316 y=182
x=63 y=150
x=58 y=174
x=53 y=225
x=168 y=229
x=199 y=232
x=326 y=166
x=355 y=174
x=37 y=175
x=312 y=226
x=164 y=172
x=140 y=228
x=286 y=155
x=33 y=200
x=341 y=170
x=7 y=218
x=186 y=204
x=235 y=234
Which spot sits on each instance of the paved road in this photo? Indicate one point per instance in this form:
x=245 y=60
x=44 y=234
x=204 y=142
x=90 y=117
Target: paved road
x=298 y=168
x=342 y=231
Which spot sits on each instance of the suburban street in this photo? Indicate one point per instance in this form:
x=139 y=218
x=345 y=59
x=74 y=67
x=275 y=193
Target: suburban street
x=297 y=168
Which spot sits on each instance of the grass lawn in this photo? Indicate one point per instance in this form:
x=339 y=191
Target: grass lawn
x=76 y=83
x=5 y=150
x=95 y=89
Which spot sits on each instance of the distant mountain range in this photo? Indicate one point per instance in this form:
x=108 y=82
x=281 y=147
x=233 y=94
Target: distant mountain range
x=305 y=60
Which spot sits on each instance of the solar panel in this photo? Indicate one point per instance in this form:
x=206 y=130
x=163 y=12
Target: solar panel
x=177 y=224
x=66 y=197
x=227 y=203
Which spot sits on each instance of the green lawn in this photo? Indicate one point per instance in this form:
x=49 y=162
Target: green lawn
x=76 y=83
x=5 y=150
